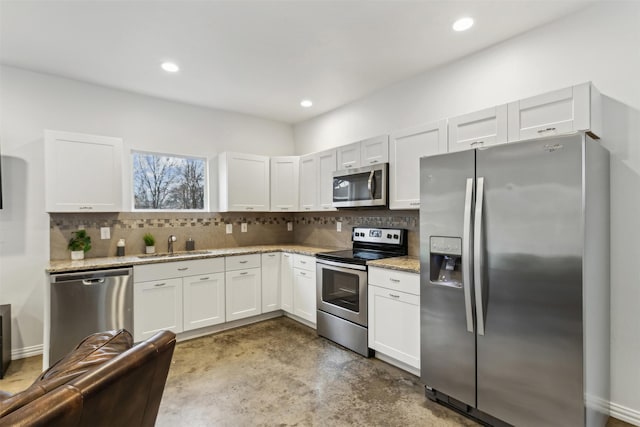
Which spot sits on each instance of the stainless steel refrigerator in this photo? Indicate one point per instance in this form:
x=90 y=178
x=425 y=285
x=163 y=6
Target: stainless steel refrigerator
x=514 y=246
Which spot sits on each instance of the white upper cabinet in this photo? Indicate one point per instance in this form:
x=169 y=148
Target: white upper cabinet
x=478 y=129
x=83 y=173
x=371 y=151
x=326 y=167
x=349 y=156
x=567 y=110
x=308 y=182
x=284 y=183
x=243 y=182
x=405 y=149
x=374 y=150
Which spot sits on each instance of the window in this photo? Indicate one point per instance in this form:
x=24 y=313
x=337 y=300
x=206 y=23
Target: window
x=168 y=182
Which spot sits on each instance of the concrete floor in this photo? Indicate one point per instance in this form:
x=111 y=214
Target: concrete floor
x=279 y=372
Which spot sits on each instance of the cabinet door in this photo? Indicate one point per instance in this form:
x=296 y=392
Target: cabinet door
x=394 y=324
x=284 y=183
x=478 y=129
x=326 y=167
x=157 y=306
x=83 y=173
x=243 y=181
x=304 y=294
x=203 y=300
x=270 y=282
x=558 y=112
x=348 y=156
x=308 y=182
x=405 y=149
x=286 y=282
x=243 y=293
x=374 y=150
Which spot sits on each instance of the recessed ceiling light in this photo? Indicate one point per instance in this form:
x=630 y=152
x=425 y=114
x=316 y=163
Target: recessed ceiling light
x=306 y=103
x=463 y=24
x=170 y=67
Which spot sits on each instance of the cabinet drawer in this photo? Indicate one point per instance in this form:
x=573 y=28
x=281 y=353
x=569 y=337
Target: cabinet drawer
x=400 y=281
x=304 y=262
x=241 y=262
x=149 y=272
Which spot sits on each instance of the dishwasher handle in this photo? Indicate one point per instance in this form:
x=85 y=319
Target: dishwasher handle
x=90 y=282
x=90 y=276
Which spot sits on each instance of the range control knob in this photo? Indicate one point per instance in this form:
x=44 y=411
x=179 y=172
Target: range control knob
x=388 y=236
x=395 y=236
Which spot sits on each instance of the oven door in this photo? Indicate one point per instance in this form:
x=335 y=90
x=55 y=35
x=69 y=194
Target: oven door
x=342 y=290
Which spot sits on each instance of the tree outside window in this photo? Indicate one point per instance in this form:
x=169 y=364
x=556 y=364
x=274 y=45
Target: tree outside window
x=167 y=182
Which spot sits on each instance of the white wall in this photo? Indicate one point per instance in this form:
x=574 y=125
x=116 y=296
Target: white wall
x=31 y=102
x=600 y=44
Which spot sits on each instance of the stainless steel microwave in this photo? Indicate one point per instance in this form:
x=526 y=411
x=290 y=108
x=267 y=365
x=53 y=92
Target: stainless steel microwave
x=361 y=187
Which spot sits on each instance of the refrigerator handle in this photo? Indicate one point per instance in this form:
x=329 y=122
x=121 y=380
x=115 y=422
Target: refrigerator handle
x=478 y=246
x=466 y=254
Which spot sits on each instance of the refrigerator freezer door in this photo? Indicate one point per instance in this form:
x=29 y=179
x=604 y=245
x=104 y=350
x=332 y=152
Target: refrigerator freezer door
x=447 y=346
x=530 y=357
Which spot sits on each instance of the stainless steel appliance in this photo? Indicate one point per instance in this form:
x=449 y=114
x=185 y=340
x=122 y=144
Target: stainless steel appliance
x=342 y=285
x=88 y=302
x=514 y=246
x=361 y=187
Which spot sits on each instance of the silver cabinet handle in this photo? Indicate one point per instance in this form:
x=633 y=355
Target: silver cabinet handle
x=284 y=209
x=249 y=208
x=183 y=269
x=271 y=255
x=243 y=262
x=302 y=273
x=477 y=142
x=414 y=204
x=286 y=255
x=303 y=262
x=478 y=246
x=546 y=130
x=466 y=254
x=244 y=272
x=204 y=278
x=373 y=161
x=159 y=284
x=394 y=296
x=394 y=280
x=86 y=207
x=371 y=184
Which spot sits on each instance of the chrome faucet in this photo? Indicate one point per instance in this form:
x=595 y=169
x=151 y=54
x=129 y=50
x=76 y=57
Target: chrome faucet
x=172 y=239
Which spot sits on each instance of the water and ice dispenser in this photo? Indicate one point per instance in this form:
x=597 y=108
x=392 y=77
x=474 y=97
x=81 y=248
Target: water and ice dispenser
x=446 y=261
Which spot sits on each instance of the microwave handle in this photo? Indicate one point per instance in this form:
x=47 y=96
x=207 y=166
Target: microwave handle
x=371 y=184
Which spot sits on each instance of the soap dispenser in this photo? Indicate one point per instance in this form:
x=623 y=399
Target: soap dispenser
x=120 y=248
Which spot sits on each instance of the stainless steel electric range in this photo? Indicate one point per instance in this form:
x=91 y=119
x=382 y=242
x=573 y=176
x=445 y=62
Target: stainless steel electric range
x=342 y=285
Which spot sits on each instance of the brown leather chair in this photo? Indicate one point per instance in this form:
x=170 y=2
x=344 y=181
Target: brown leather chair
x=103 y=382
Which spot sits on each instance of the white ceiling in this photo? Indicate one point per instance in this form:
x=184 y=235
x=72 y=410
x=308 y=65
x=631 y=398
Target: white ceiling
x=256 y=57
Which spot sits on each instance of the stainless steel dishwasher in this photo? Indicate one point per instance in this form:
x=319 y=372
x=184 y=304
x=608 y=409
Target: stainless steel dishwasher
x=88 y=302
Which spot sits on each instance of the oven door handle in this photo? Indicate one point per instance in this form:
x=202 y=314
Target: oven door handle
x=341 y=265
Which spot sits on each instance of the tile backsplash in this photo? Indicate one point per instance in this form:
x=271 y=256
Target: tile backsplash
x=209 y=229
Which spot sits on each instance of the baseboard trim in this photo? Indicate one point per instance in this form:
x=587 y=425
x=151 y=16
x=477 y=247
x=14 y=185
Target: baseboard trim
x=24 y=352
x=625 y=414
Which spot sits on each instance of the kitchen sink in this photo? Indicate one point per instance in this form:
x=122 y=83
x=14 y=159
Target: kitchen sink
x=173 y=255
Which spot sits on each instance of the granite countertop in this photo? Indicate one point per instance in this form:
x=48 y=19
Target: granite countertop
x=403 y=263
x=64 y=266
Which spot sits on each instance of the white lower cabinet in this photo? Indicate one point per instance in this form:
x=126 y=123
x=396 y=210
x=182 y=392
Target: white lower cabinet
x=304 y=287
x=286 y=282
x=243 y=287
x=270 y=282
x=157 y=306
x=178 y=296
x=394 y=315
x=203 y=300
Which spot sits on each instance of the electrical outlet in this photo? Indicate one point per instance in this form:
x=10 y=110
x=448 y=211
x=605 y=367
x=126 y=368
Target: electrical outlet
x=229 y=228
x=338 y=226
x=289 y=226
x=105 y=233
x=243 y=227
